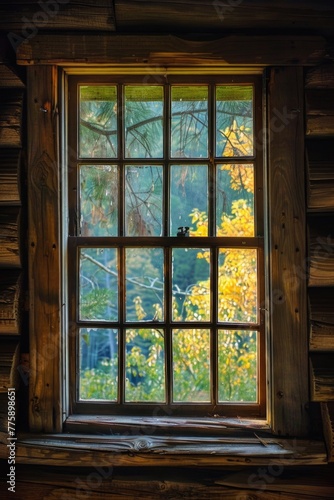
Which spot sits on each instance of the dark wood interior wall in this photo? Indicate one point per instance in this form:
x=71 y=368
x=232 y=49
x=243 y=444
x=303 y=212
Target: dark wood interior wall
x=319 y=98
x=12 y=232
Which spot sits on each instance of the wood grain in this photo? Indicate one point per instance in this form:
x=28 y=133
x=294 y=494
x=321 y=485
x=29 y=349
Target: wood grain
x=44 y=264
x=322 y=377
x=11 y=106
x=10 y=302
x=288 y=315
x=321 y=314
x=327 y=411
x=10 y=237
x=10 y=160
x=171 y=50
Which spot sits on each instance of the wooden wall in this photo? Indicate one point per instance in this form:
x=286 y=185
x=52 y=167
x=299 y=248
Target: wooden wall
x=12 y=231
x=319 y=98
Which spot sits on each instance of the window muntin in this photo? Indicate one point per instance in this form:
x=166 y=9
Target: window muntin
x=128 y=214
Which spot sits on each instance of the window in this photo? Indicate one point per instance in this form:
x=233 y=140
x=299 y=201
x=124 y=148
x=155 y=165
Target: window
x=165 y=247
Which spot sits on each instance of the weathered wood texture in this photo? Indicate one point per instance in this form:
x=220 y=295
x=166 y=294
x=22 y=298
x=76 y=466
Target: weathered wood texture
x=287 y=249
x=327 y=411
x=320 y=173
x=321 y=250
x=321 y=314
x=9 y=78
x=10 y=160
x=10 y=307
x=37 y=16
x=11 y=106
x=44 y=264
x=9 y=356
x=10 y=237
x=133 y=450
x=322 y=377
x=170 y=50
x=102 y=483
x=320 y=112
x=320 y=77
x=221 y=15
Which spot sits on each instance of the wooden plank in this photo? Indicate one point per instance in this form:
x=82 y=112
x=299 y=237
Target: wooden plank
x=36 y=16
x=321 y=314
x=171 y=483
x=162 y=425
x=288 y=315
x=124 y=450
x=44 y=263
x=153 y=50
x=10 y=310
x=320 y=173
x=321 y=76
x=9 y=78
x=320 y=112
x=10 y=176
x=10 y=237
x=327 y=412
x=322 y=377
x=11 y=106
x=215 y=16
x=321 y=251
x=9 y=355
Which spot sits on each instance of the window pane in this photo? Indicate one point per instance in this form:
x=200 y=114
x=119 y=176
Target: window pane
x=143 y=200
x=235 y=200
x=143 y=121
x=98 y=284
x=237 y=366
x=145 y=365
x=191 y=365
x=98 y=122
x=191 y=284
x=98 y=364
x=189 y=122
x=234 y=120
x=189 y=199
x=237 y=285
x=144 y=284
x=99 y=200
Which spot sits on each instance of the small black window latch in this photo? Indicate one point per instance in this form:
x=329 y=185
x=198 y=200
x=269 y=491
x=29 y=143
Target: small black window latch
x=183 y=231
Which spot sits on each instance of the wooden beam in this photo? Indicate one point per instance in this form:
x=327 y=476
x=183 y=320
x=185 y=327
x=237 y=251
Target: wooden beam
x=44 y=263
x=10 y=237
x=134 y=450
x=327 y=412
x=321 y=250
x=10 y=160
x=288 y=295
x=322 y=377
x=167 y=50
x=34 y=16
x=11 y=106
x=10 y=302
x=321 y=316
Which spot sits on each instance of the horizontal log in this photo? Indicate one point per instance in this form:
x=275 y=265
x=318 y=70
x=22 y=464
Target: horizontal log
x=10 y=299
x=162 y=425
x=8 y=362
x=83 y=450
x=10 y=175
x=151 y=484
x=321 y=251
x=9 y=78
x=320 y=173
x=70 y=15
x=10 y=237
x=322 y=377
x=152 y=50
x=321 y=76
x=327 y=412
x=319 y=125
x=321 y=313
x=11 y=105
x=279 y=483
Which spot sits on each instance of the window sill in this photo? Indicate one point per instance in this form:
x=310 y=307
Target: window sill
x=152 y=442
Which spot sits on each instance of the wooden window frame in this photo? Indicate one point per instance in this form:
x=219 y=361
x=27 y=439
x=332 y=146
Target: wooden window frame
x=286 y=306
x=75 y=241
